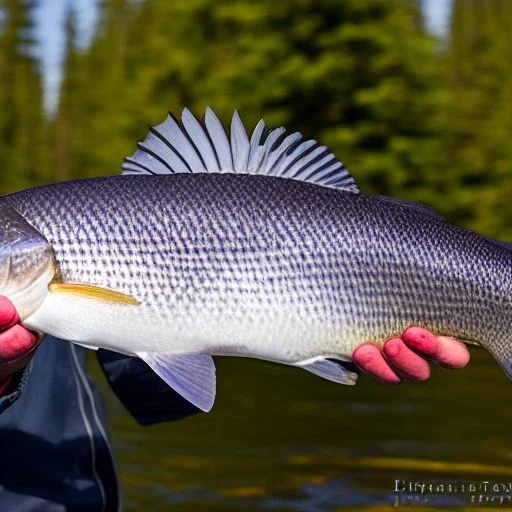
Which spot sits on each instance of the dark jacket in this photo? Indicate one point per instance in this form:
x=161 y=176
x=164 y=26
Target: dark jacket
x=54 y=442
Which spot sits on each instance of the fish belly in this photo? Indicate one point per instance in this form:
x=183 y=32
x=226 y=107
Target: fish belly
x=270 y=334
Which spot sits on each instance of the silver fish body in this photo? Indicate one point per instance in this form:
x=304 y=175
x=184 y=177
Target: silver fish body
x=263 y=267
x=259 y=247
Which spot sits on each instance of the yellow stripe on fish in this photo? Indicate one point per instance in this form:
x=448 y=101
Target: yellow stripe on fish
x=94 y=292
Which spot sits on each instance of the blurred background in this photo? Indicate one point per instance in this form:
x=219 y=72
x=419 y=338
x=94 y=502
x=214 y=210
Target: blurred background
x=415 y=97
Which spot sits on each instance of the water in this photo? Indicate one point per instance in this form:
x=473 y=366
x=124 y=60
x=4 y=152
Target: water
x=281 y=439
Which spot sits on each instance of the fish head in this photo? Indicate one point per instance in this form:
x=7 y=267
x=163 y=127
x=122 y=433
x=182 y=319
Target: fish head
x=26 y=262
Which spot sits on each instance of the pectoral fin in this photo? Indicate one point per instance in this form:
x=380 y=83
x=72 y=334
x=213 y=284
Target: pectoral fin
x=93 y=292
x=190 y=375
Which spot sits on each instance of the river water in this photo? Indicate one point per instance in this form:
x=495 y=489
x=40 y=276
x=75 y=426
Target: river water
x=282 y=439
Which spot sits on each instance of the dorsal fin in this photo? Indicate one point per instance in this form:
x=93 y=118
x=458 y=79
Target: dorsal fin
x=193 y=147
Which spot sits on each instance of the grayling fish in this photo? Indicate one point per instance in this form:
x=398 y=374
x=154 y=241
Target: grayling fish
x=210 y=245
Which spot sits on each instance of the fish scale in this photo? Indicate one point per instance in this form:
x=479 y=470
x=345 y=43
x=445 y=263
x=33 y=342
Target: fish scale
x=233 y=257
x=253 y=264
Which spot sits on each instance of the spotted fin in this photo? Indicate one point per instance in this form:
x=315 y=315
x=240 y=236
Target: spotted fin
x=190 y=375
x=189 y=146
x=342 y=372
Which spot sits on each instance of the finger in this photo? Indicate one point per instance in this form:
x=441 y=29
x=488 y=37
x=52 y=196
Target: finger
x=15 y=342
x=405 y=361
x=8 y=314
x=369 y=358
x=453 y=353
x=446 y=351
x=11 y=367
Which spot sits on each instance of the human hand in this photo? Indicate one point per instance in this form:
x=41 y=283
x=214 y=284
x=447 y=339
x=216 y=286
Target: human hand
x=17 y=344
x=407 y=358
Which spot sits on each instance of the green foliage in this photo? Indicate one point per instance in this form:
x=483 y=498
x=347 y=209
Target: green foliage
x=479 y=117
x=66 y=142
x=93 y=102
x=24 y=149
x=409 y=115
x=359 y=76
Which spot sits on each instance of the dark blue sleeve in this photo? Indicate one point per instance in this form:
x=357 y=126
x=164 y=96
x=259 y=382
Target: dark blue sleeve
x=18 y=384
x=146 y=396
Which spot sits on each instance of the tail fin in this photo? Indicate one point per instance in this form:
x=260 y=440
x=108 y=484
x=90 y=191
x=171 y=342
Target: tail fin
x=504 y=358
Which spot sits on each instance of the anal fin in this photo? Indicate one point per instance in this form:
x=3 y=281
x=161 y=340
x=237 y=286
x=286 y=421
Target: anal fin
x=90 y=347
x=190 y=375
x=336 y=371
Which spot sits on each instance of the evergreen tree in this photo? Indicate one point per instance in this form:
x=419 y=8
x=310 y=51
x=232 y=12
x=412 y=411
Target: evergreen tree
x=479 y=122
x=69 y=99
x=360 y=76
x=100 y=122
x=23 y=128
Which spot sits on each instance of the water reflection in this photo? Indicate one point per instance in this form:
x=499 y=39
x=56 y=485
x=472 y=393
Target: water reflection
x=281 y=439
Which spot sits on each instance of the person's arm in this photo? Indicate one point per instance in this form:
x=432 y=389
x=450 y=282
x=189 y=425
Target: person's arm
x=146 y=396
x=17 y=347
